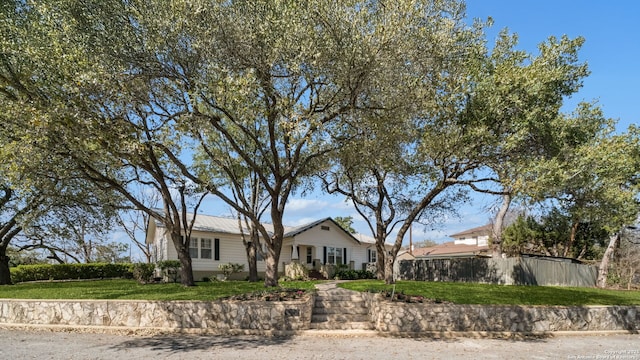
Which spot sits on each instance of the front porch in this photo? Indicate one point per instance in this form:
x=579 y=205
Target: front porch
x=319 y=260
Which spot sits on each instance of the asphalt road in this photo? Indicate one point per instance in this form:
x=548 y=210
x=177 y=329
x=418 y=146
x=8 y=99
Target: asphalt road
x=32 y=344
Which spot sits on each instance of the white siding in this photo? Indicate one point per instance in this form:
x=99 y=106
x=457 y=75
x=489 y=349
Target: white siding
x=481 y=240
x=320 y=238
x=232 y=250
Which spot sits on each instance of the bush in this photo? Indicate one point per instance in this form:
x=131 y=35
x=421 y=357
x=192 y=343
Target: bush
x=170 y=269
x=230 y=268
x=347 y=274
x=23 y=273
x=143 y=272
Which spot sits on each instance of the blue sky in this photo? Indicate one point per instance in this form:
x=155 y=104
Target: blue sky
x=612 y=49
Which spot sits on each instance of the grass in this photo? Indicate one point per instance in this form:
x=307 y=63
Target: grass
x=458 y=293
x=131 y=290
x=469 y=293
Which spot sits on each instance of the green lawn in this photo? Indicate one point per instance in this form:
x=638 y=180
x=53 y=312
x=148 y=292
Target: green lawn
x=130 y=289
x=469 y=293
x=459 y=293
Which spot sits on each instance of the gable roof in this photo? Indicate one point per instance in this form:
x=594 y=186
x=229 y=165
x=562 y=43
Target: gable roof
x=228 y=225
x=300 y=229
x=477 y=231
x=369 y=239
x=449 y=249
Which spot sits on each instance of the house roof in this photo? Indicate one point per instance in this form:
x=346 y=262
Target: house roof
x=227 y=225
x=300 y=229
x=480 y=230
x=449 y=249
x=368 y=239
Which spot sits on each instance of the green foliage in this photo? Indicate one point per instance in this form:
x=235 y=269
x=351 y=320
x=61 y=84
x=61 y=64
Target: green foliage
x=348 y=274
x=24 y=257
x=71 y=271
x=346 y=223
x=115 y=93
x=466 y=293
x=170 y=268
x=143 y=272
x=550 y=235
x=230 y=268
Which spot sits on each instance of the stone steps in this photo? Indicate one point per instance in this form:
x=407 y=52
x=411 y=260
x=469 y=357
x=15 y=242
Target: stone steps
x=344 y=326
x=340 y=309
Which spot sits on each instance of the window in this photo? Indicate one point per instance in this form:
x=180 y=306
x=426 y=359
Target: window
x=309 y=254
x=373 y=256
x=334 y=256
x=193 y=248
x=205 y=248
x=339 y=258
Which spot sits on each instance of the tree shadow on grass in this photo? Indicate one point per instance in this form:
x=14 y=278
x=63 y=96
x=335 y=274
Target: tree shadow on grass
x=182 y=343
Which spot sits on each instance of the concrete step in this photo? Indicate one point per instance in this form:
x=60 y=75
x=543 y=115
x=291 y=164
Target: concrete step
x=340 y=303
x=363 y=325
x=345 y=297
x=340 y=310
x=339 y=318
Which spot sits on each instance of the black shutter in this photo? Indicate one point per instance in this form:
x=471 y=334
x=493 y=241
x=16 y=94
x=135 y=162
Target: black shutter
x=324 y=260
x=344 y=256
x=216 y=248
x=369 y=255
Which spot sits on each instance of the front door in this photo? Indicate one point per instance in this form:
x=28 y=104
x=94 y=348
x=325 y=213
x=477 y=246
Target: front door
x=309 y=257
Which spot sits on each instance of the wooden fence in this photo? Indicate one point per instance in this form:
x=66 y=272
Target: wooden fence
x=512 y=271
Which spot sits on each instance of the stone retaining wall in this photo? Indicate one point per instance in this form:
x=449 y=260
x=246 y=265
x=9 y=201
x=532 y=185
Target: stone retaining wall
x=260 y=317
x=216 y=316
x=398 y=317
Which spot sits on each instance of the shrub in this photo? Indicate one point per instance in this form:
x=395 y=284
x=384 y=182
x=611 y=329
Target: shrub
x=143 y=272
x=170 y=269
x=23 y=273
x=230 y=268
x=347 y=274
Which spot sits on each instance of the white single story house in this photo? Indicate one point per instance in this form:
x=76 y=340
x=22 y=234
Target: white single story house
x=218 y=240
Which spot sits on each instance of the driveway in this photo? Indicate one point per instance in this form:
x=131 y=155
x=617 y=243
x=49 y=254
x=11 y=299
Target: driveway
x=32 y=344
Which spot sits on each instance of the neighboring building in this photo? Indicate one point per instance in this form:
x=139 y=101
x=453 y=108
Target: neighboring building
x=478 y=236
x=405 y=255
x=469 y=243
x=218 y=240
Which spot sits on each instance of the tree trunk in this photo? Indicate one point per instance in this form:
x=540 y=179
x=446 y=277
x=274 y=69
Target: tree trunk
x=271 y=270
x=274 y=247
x=388 y=270
x=496 y=231
x=380 y=260
x=252 y=259
x=603 y=270
x=572 y=238
x=5 y=272
x=186 y=270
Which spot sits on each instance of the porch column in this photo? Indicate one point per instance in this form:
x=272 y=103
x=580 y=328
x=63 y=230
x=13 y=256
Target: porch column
x=295 y=257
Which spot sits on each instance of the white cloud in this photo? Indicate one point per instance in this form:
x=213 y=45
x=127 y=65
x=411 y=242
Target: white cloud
x=305 y=205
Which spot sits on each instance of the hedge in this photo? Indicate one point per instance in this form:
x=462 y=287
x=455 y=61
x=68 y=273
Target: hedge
x=22 y=273
x=346 y=274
